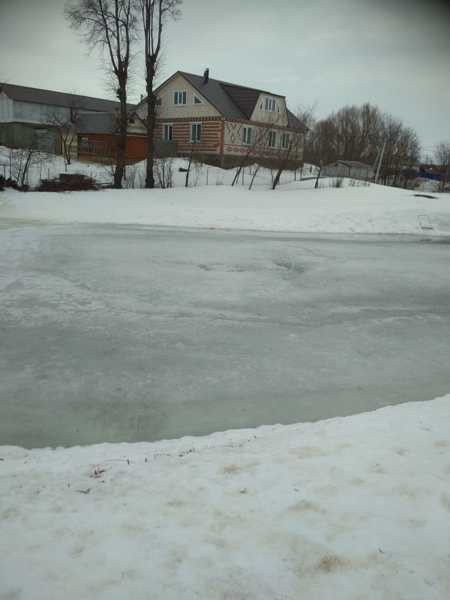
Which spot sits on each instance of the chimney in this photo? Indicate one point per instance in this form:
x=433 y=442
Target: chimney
x=206 y=76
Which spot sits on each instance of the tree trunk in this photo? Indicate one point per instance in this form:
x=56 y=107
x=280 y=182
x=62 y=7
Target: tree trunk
x=188 y=172
x=253 y=177
x=236 y=176
x=151 y=122
x=122 y=137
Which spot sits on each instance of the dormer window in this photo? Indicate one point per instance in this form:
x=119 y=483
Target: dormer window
x=179 y=97
x=269 y=104
x=197 y=100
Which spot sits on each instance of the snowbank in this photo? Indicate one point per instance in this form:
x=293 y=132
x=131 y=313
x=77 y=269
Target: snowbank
x=293 y=207
x=51 y=165
x=347 y=508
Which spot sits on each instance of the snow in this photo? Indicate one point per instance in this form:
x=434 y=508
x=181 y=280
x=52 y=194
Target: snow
x=349 y=508
x=51 y=165
x=293 y=207
x=212 y=203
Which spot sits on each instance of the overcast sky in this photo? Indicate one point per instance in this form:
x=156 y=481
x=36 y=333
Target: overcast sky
x=393 y=53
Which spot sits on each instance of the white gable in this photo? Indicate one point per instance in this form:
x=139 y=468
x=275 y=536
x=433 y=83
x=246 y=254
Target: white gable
x=167 y=108
x=270 y=109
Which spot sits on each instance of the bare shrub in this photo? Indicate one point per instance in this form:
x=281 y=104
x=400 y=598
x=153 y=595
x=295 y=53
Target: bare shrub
x=164 y=172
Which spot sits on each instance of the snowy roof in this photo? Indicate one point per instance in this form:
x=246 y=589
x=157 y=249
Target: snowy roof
x=22 y=93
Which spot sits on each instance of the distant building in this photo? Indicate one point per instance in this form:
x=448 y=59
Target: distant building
x=349 y=168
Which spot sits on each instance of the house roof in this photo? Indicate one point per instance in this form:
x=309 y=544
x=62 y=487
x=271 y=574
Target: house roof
x=215 y=93
x=22 y=93
x=354 y=163
x=96 y=122
x=231 y=100
x=294 y=123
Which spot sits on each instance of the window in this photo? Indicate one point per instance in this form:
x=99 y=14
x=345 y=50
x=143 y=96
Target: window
x=247 y=135
x=167 y=132
x=179 y=97
x=285 y=139
x=270 y=104
x=272 y=139
x=197 y=100
x=196 y=132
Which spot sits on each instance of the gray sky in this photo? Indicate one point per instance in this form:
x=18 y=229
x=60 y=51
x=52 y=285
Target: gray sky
x=393 y=53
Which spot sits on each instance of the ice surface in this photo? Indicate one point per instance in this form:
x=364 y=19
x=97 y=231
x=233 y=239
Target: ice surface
x=114 y=333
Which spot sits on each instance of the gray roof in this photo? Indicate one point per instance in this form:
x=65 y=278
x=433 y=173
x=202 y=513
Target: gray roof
x=215 y=93
x=294 y=123
x=35 y=95
x=91 y=122
x=231 y=100
x=354 y=163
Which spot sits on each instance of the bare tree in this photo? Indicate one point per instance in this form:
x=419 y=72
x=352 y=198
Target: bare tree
x=442 y=158
x=154 y=14
x=164 y=172
x=21 y=162
x=291 y=145
x=110 y=25
x=256 y=147
x=65 y=127
x=358 y=133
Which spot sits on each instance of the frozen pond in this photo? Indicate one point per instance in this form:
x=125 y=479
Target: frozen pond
x=112 y=333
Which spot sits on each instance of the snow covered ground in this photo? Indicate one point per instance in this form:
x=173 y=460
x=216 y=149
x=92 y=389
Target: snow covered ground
x=211 y=202
x=348 y=508
x=345 y=509
x=293 y=207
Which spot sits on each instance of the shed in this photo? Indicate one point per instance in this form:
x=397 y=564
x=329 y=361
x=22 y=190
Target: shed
x=349 y=168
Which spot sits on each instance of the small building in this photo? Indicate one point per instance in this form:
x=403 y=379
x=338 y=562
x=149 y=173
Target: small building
x=32 y=117
x=349 y=168
x=224 y=123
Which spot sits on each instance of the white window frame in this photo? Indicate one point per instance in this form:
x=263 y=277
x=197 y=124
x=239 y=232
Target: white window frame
x=191 y=136
x=180 y=95
x=247 y=135
x=196 y=99
x=269 y=104
x=168 y=125
x=272 y=134
x=285 y=137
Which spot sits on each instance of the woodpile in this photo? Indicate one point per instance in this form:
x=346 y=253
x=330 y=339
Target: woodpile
x=68 y=182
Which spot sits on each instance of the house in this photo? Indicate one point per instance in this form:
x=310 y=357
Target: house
x=220 y=123
x=349 y=168
x=224 y=123
x=32 y=117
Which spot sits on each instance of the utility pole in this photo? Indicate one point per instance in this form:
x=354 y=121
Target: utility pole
x=379 y=162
